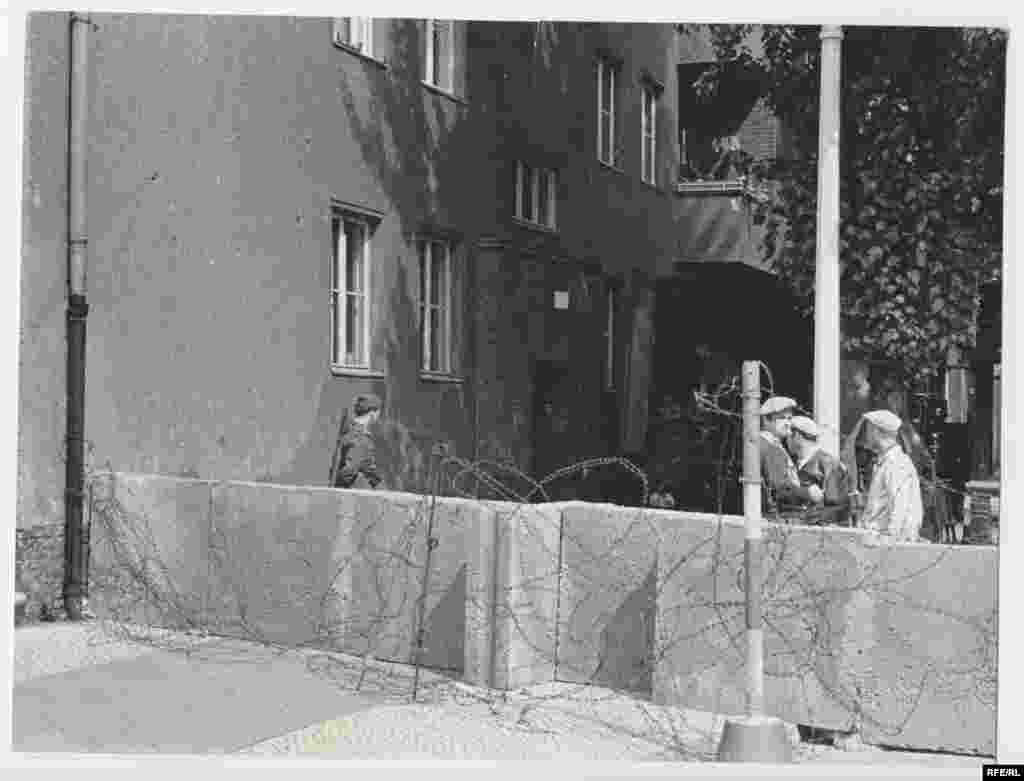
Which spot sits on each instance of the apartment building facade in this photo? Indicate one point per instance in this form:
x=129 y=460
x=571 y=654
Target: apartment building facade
x=466 y=218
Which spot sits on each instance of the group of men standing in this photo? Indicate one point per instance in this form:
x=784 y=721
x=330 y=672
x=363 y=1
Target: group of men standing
x=805 y=484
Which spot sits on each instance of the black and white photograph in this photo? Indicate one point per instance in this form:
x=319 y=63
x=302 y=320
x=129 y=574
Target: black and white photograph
x=629 y=392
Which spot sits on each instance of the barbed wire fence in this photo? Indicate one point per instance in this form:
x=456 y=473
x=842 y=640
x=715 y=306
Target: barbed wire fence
x=619 y=602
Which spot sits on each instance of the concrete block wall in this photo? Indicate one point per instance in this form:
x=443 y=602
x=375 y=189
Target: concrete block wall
x=289 y=565
x=898 y=640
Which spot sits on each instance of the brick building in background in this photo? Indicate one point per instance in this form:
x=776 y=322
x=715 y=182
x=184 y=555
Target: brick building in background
x=467 y=218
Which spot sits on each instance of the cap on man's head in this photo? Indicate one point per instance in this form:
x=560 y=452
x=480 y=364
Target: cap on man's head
x=365 y=403
x=805 y=426
x=884 y=419
x=777 y=404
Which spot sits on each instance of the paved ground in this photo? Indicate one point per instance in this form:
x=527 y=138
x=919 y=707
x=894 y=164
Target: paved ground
x=82 y=688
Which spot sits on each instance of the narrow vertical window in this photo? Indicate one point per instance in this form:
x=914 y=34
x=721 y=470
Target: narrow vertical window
x=355 y=32
x=435 y=305
x=648 y=132
x=606 y=90
x=439 y=68
x=351 y=289
x=609 y=364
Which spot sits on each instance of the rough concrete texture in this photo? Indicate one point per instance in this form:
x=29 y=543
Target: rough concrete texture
x=290 y=565
x=606 y=612
x=150 y=549
x=39 y=570
x=513 y=597
x=897 y=639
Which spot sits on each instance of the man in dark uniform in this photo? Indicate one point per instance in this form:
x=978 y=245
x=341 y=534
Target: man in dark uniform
x=783 y=495
x=358 y=462
x=814 y=466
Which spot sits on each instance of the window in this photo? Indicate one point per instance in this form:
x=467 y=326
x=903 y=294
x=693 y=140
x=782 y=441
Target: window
x=350 y=289
x=355 y=32
x=607 y=85
x=439 y=68
x=648 y=134
x=609 y=364
x=536 y=195
x=436 y=305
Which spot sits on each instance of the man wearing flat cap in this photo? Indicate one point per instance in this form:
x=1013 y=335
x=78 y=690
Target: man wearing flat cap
x=358 y=462
x=815 y=466
x=783 y=494
x=893 y=506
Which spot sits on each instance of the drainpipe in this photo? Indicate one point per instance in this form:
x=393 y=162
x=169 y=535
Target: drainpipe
x=76 y=542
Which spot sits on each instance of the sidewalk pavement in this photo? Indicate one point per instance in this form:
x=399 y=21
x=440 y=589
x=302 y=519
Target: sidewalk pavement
x=81 y=688
x=199 y=697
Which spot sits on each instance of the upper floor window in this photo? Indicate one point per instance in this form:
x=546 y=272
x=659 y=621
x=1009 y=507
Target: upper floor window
x=648 y=133
x=612 y=302
x=607 y=106
x=536 y=195
x=350 y=288
x=439 y=67
x=436 y=296
x=355 y=32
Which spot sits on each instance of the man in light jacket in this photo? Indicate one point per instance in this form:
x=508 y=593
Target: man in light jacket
x=893 y=507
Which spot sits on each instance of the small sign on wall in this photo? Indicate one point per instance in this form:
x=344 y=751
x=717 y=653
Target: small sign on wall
x=561 y=299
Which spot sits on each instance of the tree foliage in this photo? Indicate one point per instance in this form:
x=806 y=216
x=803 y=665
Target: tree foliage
x=921 y=176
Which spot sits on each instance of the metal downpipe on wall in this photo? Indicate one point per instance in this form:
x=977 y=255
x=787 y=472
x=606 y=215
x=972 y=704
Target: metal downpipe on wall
x=76 y=541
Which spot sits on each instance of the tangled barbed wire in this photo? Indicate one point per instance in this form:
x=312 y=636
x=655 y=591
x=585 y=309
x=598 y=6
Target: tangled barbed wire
x=632 y=599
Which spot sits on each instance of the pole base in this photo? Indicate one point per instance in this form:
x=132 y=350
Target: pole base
x=755 y=739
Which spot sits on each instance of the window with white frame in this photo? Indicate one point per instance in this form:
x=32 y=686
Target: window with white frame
x=350 y=289
x=536 y=195
x=439 y=67
x=355 y=32
x=436 y=296
x=648 y=133
x=607 y=87
x=609 y=363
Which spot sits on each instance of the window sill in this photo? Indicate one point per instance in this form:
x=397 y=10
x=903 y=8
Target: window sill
x=534 y=226
x=444 y=93
x=733 y=187
x=364 y=57
x=355 y=371
x=610 y=167
x=450 y=379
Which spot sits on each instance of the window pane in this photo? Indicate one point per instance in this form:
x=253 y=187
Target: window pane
x=436 y=353
x=436 y=273
x=355 y=234
x=528 y=174
x=337 y=332
x=354 y=330
x=607 y=87
x=543 y=192
x=442 y=39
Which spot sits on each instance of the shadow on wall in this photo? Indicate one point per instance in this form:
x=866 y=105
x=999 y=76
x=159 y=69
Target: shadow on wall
x=627 y=641
x=407 y=137
x=445 y=638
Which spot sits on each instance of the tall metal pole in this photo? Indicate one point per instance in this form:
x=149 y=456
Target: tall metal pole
x=826 y=277
x=752 y=545
x=755 y=738
x=76 y=544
